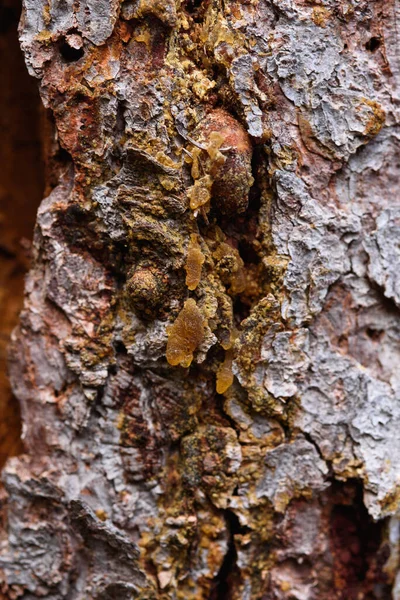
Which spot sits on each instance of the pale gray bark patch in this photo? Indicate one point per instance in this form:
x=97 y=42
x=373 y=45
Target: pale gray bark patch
x=383 y=249
x=316 y=238
x=353 y=416
x=242 y=75
x=329 y=88
x=290 y=470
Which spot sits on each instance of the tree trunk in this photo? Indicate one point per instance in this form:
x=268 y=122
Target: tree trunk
x=207 y=359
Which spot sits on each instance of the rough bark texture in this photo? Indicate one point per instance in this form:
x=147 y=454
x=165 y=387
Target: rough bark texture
x=224 y=180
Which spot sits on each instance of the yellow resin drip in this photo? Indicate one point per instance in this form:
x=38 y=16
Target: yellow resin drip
x=225 y=374
x=200 y=193
x=194 y=262
x=185 y=335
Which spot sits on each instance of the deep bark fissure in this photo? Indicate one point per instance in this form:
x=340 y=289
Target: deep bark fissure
x=224 y=581
x=355 y=539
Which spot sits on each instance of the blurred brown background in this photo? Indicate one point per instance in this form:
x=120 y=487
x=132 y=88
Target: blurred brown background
x=21 y=189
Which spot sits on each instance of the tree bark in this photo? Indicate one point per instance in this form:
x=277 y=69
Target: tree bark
x=207 y=357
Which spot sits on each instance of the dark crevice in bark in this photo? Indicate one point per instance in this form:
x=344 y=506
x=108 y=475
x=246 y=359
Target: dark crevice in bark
x=357 y=545
x=68 y=52
x=21 y=189
x=373 y=44
x=388 y=303
x=222 y=589
x=196 y=9
x=243 y=229
x=120 y=348
x=277 y=11
x=120 y=122
x=374 y=334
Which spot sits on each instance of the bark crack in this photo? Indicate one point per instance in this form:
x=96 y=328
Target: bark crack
x=229 y=572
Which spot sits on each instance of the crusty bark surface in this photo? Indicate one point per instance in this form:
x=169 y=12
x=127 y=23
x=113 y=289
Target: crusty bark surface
x=255 y=145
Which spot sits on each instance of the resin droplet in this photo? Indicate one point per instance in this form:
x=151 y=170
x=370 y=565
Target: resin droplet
x=200 y=193
x=194 y=263
x=225 y=374
x=185 y=335
x=214 y=144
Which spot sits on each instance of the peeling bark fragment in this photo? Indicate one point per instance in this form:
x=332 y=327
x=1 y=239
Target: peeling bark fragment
x=291 y=470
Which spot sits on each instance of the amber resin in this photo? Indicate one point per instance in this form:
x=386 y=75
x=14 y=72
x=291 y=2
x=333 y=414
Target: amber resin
x=200 y=193
x=225 y=374
x=194 y=262
x=185 y=335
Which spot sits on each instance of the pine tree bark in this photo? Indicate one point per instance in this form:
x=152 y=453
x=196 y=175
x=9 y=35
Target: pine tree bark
x=207 y=357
